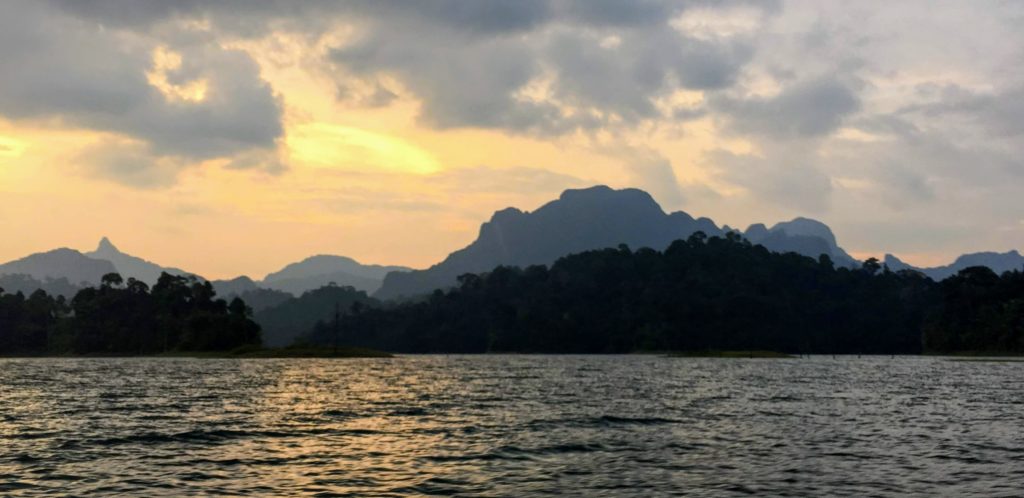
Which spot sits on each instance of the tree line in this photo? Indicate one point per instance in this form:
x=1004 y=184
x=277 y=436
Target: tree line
x=700 y=294
x=125 y=317
x=718 y=293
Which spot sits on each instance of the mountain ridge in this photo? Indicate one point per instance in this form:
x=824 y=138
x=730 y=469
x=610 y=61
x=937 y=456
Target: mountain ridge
x=129 y=266
x=578 y=220
x=63 y=262
x=998 y=262
x=322 y=269
x=594 y=218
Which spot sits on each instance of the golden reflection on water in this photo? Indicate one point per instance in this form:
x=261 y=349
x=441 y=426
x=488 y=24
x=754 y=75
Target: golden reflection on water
x=510 y=426
x=383 y=410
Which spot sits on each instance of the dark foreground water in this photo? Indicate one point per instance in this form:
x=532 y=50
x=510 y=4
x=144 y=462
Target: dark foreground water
x=512 y=426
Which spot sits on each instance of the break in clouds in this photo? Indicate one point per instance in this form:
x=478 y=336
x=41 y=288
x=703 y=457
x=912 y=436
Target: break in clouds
x=872 y=112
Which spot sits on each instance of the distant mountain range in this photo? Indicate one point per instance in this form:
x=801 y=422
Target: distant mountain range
x=64 y=271
x=63 y=263
x=317 y=271
x=595 y=218
x=802 y=236
x=131 y=266
x=999 y=262
x=579 y=220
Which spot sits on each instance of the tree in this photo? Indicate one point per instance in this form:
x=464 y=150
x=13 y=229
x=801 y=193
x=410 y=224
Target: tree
x=701 y=293
x=180 y=313
x=111 y=280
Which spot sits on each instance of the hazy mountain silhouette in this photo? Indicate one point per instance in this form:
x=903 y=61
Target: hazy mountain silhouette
x=595 y=218
x=283 y=323
x=579 y=220
x=317 y=271
x=131 y=266
x=254 y=296
x=13 y=283
x=65 y=263
x=234 y=287
x=803 y=236
x=45 y=270
x=998 y=262
x=261 y=299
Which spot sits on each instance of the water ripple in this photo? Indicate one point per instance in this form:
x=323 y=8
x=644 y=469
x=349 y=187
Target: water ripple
x=511 y=426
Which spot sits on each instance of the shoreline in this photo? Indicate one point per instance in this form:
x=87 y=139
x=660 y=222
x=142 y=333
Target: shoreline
x=253 y=353
x=350 y=352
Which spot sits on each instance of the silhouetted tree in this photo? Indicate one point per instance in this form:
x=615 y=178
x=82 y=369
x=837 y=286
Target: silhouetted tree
x=700 y=293
x=118 y=317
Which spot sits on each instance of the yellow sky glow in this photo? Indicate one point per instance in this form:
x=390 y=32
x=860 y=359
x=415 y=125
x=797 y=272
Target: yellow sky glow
x=343 y=147
x=367 y=181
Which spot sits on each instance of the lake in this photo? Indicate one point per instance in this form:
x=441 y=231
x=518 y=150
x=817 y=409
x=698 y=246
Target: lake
x=512 y=426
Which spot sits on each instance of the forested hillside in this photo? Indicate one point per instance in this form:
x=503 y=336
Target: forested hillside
x=700 y=294
x=177 y=314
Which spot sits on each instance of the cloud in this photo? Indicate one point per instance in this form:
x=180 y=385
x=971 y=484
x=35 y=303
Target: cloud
x=810 y=108
x=266 y=161
x=486 y=179
x=467 y=62
x=570 y=66
x=785 y=179
x=998 y=112
x=128 y=163
x=837 y=106
x=656 y=176
x=900 y=186
x=373 y=95
x=649 y=170
x=471 y=85
x=181 y=94
x=622 y=81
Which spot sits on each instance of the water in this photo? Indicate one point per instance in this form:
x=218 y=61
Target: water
x=511 y=426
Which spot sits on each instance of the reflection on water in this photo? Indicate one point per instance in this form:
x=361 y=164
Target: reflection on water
x=511 y=426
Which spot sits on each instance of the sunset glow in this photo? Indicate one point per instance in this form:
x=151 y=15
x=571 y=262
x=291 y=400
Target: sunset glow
x=207 y=137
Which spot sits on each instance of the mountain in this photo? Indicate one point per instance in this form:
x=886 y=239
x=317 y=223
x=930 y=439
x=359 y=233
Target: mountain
x=63 y=271
x=318 y=271
x=14 y=283
x=713 y=294
x=131 y=266
x=998 y=262
x=233 y=287
x=64 y=263
x=803 y=236
x=578 y=220
x=595 y=218
x=254 y=296
x=261 y=299
x=296 y=316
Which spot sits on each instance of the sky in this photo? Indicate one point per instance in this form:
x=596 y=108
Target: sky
x=233 y=137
